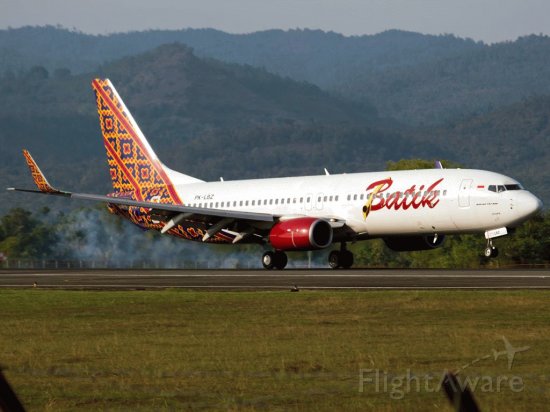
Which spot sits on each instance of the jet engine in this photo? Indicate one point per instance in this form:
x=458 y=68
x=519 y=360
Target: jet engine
x=305 y=233
x=412 y=243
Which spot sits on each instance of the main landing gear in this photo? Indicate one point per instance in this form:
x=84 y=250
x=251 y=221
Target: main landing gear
x=274 y=260
x=490 y=251
x=342 y=258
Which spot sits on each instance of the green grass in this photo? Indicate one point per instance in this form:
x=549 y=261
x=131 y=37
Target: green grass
x=187 y=350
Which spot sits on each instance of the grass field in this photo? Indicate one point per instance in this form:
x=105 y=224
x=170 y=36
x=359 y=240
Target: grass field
x=187 y=350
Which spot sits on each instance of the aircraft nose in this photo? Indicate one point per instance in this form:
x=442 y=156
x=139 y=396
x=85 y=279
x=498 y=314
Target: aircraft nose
x=531 y=205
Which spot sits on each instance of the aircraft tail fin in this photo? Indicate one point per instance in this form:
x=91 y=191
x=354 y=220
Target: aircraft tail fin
x=133 y=165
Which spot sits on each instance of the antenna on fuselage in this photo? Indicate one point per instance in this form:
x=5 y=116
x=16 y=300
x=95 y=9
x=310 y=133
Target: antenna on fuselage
x=438 y=164
x=326 y=172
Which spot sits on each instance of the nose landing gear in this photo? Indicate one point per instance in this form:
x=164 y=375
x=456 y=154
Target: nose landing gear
x=342 y=258
x=490 y=251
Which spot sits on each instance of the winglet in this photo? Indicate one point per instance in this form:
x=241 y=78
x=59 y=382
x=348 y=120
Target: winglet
x=37 y=175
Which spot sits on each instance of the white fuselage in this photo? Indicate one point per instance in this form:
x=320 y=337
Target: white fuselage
x=401 y=202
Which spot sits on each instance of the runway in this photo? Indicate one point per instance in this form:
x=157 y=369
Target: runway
x=360 y=279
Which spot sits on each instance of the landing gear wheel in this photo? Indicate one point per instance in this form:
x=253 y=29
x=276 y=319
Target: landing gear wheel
x=342 y=258
x=491 y=252
x=274 y=260
x=346 y=259
x=334 y=259
x=279 y=260
x=268 y=260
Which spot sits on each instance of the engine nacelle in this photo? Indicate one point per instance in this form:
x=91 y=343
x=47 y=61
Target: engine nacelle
x=412 y=243
x=304 y=233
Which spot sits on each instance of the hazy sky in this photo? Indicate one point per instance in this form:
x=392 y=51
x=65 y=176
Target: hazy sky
x=487 y=20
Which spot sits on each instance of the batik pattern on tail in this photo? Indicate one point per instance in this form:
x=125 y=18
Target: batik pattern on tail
x=134 y=167
x=37 y=175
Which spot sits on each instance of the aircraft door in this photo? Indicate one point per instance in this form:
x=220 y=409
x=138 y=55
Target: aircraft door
x=309 y=201
x=464 y=193
x=319 y=201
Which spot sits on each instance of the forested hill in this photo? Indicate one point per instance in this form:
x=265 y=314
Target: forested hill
x=314 y=56
x=203 y=117
x=210 y=118
x=453 y=88
x=417 y=79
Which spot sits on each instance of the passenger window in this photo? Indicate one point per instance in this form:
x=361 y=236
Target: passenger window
x=283 y=201
x=330 y=199
x=240 y=203
x=308 y=199
x=319 y=199
x=336 y=199
x=362 y=196
x=349 y=197
x=301 y=200
x=211 y=205
x=276 y=201
x=354 y=197
x=288 y=200
x=265 y=201
x=294 y=200
x=270 y=201
x=324 y=199
x=253 y=202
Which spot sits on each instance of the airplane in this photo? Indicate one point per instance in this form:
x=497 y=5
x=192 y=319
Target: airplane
x=410 y=210
x=510 y=352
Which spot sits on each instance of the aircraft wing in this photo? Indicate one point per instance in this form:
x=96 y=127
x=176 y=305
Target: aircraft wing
x=161 y=209
x=158 y=208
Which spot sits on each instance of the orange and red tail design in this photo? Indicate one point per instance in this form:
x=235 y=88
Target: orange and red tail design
x=37 y=175
x=133 y=165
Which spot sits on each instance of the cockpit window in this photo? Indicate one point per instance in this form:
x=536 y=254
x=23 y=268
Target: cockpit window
x=503 y=188
x=513 y=187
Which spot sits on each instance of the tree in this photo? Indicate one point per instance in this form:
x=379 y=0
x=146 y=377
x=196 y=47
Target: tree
x=23 y=236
